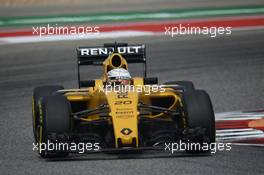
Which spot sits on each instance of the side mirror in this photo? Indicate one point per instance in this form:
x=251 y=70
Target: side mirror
x=87 y=83
x=150 y=80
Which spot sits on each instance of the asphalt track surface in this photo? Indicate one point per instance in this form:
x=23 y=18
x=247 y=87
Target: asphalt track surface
x=230 y=68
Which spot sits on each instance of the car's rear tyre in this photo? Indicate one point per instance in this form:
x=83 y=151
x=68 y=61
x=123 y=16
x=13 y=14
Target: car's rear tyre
x=38 y=93
x=55 y=118
x=199 y=116
x=187 y=85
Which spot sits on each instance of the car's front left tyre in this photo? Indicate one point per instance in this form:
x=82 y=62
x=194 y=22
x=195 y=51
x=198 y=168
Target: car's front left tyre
x=199 y=115
x=187 y=85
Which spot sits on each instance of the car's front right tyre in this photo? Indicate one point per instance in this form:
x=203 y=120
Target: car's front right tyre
x=38 y=93
x=55 y=119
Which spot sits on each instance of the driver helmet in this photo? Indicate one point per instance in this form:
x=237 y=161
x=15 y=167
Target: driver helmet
x=119 y=76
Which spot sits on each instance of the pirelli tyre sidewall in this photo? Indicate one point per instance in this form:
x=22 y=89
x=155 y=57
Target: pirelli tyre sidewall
x=199 y=113
x=38 y=93
x=55 y=118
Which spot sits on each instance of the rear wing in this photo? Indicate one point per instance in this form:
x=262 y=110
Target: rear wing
x=96 y=55
x=135 y=53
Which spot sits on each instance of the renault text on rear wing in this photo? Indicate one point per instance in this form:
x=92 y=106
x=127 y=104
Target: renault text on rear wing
x=95 y=55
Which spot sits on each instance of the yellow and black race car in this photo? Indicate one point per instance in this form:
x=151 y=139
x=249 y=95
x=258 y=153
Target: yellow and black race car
x=119 y=112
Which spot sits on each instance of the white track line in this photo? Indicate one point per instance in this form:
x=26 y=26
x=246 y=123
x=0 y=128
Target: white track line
x=102 y=35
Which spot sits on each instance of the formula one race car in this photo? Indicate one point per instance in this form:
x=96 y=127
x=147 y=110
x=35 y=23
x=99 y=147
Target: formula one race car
x=118 y=112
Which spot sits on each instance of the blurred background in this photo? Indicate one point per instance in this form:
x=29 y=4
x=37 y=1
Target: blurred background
x=38 y=7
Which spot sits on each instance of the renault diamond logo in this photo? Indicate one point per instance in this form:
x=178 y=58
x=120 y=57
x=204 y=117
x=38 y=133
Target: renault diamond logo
x=126 y=131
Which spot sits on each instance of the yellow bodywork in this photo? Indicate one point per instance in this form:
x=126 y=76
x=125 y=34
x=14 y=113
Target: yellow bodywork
x=123 y=106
